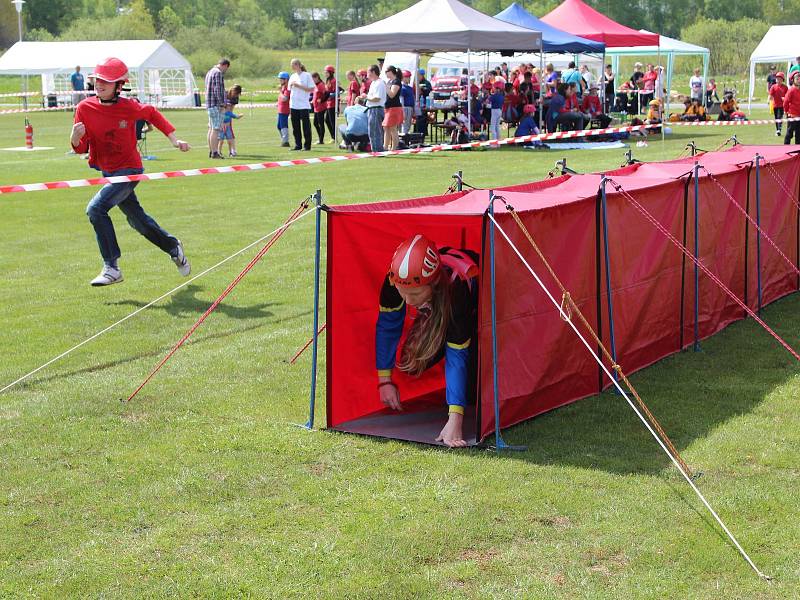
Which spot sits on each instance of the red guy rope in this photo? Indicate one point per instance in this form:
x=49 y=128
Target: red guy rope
x=222 y=296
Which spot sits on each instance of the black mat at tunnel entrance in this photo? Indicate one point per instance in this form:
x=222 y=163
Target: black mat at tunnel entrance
x=419 y=422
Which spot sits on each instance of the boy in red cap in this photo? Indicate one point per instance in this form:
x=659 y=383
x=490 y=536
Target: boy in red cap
x=105 y=127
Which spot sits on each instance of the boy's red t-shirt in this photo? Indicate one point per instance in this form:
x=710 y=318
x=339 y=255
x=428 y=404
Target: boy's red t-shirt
x=330 y=87
x=511 y=100
x=591 y=104
x=283 y=100
x=353 y=91
x=110 y=136
x=571 y=102
x=791 y=102
x=777 y=92
x=317 y=102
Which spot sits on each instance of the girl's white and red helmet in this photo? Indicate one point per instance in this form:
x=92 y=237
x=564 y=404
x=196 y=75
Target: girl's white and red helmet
x=415 y=263
x=111 y=70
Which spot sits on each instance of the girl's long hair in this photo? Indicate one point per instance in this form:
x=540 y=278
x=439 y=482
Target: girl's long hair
x=428 y=333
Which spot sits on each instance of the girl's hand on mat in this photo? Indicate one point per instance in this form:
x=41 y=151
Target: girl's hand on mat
x=390 y=397
x=452 y=435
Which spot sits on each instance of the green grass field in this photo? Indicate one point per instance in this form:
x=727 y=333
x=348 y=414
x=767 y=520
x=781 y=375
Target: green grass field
x=204 y=487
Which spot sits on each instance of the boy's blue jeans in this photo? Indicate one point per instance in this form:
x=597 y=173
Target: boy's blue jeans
x=123 y=195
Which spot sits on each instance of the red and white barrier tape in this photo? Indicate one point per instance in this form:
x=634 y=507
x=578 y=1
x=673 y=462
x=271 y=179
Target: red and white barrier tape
x=72 y=107
x=20 y=95
x=560 y=135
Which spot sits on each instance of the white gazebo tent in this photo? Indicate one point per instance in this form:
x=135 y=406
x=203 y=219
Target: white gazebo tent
x=669 y=47
x=158 y=72
x=780 y=44
x=432 y=25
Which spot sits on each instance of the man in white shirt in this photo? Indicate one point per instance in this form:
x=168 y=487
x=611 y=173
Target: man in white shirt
x=376 y=99
x=300 y=86
x=696 y=85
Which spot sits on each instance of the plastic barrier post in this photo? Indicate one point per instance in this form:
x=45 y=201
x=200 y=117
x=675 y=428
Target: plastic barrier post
x=696 y=172
x=603 y=182
x=500 y=444
x=758 y=230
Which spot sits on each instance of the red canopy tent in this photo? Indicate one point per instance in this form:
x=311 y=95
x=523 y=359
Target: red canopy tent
x=578 y=18
x=540 y=363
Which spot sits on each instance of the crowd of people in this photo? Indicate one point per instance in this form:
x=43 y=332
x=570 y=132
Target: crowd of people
x=383 y=106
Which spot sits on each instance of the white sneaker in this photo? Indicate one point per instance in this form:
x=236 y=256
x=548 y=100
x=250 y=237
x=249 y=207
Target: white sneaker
x=108 y=276
x=180 y=260
x=778 y=134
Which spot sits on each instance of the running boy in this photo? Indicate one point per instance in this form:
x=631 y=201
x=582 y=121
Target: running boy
x=105 y=127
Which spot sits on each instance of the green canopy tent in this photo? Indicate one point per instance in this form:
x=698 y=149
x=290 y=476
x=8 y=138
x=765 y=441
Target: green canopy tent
x=669 y=47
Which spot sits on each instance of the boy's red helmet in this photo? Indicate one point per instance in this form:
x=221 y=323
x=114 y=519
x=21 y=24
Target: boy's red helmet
x=415 y=263
x=529 y=109
x=111 y=70
x=780 y=74
x=362 y=73
x=406 y=73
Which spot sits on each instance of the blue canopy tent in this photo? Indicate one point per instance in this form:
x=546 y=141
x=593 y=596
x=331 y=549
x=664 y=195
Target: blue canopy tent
x=553 y=40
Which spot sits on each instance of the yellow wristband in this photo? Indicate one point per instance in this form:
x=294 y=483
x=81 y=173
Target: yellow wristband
x=455 y=409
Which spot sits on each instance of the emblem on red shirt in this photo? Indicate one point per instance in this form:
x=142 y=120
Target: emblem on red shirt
x=123 y=124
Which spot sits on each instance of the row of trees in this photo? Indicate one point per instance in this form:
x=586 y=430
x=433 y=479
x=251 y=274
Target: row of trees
x=245 y=29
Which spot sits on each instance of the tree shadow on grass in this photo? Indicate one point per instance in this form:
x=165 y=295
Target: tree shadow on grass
x=690 y=393
x=185 y=303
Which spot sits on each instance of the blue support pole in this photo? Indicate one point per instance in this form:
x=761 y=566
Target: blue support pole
x=499 y=443
x=697 y=256
x=758 y=232
x=603 y=182
x=315 y=332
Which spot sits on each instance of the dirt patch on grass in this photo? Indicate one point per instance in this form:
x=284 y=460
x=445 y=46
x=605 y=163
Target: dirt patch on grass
x=557 y=522
x=606 y=563
x=139 y=417
x=482 y=557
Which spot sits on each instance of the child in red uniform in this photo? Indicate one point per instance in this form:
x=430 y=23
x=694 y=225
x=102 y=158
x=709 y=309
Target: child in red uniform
x=330 y=104
x=591 y=109
x=365 y=82
x=105 y=127
x=791 y=105
x=353 y=88
x=777 y=91
x=283 y=108
x=319 y=102
x=511 y=105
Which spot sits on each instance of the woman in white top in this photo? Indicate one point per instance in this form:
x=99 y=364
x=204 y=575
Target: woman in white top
x=300 y=86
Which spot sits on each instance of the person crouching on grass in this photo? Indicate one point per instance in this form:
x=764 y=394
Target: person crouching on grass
x=105 y=127
x=441 y=286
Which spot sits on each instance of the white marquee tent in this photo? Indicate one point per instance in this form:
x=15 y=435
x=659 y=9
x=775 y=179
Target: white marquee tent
x=158 y=72
x=779 y=45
